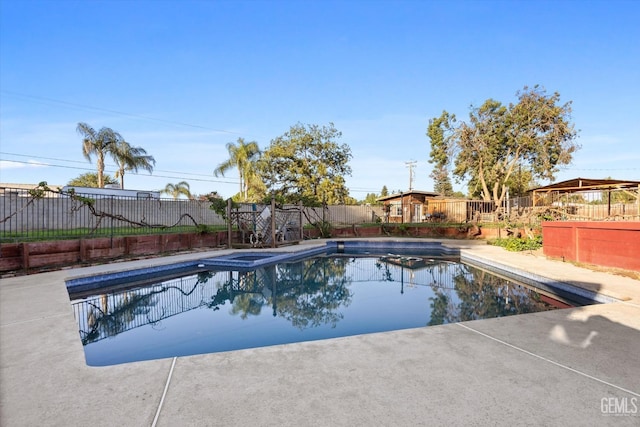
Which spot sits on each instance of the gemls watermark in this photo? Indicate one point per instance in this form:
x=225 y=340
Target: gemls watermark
x=619 y=406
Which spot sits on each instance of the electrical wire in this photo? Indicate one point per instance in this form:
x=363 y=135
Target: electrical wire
x=84 y=162
x=45 y=100
x=601 y=169
x=218 y=181
x=178 y=173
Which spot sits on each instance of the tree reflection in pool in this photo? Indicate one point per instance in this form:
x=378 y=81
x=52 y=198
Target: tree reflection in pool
x=312 y=299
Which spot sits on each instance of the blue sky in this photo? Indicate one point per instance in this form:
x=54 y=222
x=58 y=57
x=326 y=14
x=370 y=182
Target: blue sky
x=183 y=78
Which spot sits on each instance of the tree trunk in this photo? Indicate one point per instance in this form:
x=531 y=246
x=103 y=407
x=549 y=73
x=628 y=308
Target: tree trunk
x=100 y=170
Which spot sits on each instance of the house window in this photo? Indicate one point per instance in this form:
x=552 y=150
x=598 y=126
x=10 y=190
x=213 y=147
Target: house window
x=396 y=209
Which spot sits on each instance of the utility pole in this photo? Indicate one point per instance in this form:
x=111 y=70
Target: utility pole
x=410 y=165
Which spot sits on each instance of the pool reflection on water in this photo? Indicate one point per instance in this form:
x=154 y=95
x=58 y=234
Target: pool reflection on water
x=311 y=299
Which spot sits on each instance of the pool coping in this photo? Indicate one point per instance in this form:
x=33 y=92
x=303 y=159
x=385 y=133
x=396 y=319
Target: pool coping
x=538 y=282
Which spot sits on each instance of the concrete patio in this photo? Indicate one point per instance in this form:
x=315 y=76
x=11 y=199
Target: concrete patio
x=578 y=366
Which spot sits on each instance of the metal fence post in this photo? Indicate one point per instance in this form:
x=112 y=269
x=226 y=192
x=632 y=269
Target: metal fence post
x=273 y=222
x=229 y=223
x=111 y=209
x=300 y=207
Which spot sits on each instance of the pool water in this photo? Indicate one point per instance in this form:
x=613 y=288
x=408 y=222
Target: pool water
x=216 y=310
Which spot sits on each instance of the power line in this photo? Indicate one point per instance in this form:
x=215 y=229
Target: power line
x=354 y=190
x=600 y=169
x=217 y=181
x=178 y=173
x=40 y=157
x=78 y=161
x=45 y=100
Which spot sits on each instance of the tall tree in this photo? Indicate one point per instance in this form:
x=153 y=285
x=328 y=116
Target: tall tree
x=306 y=163
x=256 y=191
x=440 y=131
x=384 y=192
x=97 y=143
x=441 y=181
x=534 y=134
x=520 y=182
x=176 y=190
x=130 y=158
x=90 y=179
x=481 y=145
x=371 y=199
x=242 y=156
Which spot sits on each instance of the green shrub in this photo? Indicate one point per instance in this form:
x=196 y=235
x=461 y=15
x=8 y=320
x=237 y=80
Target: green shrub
x=203 y=229
x=518 y=244
x=324 y=227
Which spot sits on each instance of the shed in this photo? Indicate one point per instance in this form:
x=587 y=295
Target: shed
x=411 y=206
x=423 y=206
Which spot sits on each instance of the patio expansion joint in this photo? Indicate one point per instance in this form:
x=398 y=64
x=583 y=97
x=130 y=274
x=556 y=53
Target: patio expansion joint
x=35 y=319
x=164 y=393
x=547 y=360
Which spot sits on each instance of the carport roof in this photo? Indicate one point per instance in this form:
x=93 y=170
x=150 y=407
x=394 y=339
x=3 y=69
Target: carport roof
x=584 y=184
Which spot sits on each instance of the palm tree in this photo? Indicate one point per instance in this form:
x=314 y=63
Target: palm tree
x=130 y=158
x=255 y=190
x=241 y=156
x=98 y=143
x=176 y=190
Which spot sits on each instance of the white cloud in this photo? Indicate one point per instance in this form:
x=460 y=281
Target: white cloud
x=9 y=164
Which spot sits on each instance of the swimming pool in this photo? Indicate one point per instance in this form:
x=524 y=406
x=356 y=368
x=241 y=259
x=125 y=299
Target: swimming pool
x=254 y=299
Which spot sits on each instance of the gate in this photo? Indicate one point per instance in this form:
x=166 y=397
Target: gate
x=261 y=226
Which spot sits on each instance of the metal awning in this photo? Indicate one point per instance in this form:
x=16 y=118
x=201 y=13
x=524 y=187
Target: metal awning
x=586 y=184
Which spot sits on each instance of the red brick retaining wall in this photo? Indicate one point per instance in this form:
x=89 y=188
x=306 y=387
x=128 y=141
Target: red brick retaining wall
x=38 y=255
